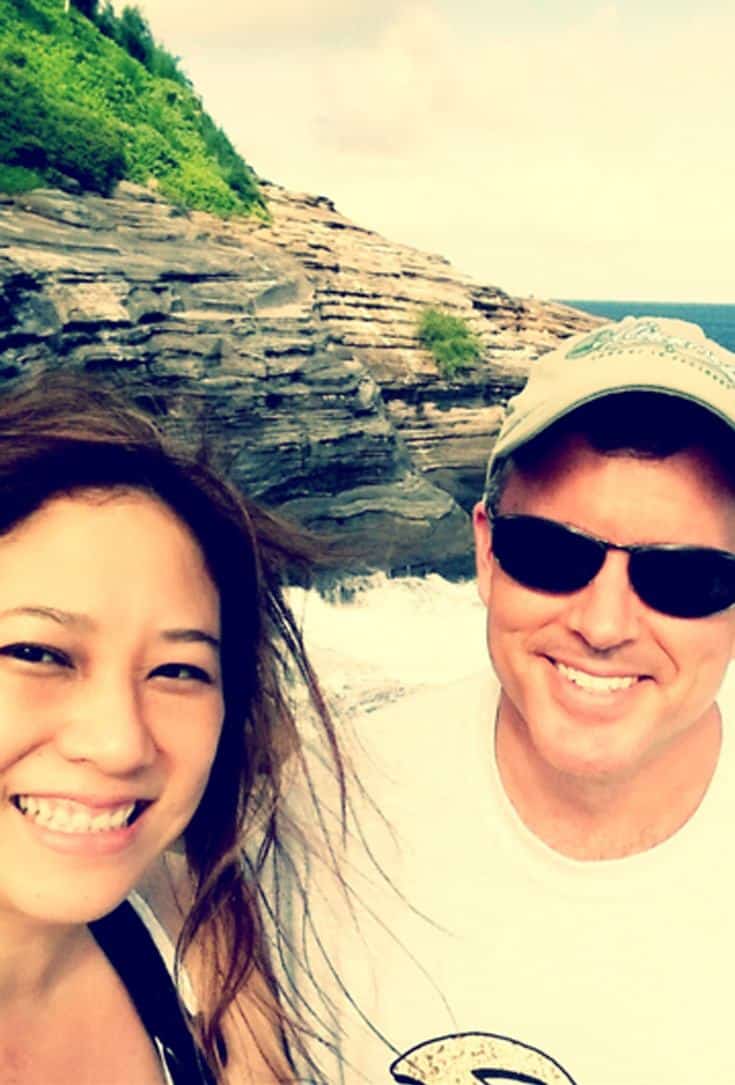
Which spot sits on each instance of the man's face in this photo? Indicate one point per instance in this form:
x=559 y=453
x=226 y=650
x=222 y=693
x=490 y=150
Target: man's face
x=598 y=682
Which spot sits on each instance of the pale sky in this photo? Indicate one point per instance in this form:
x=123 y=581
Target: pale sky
x=560 y=148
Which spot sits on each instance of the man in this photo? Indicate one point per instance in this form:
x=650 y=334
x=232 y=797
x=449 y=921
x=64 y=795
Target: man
x=549 y=891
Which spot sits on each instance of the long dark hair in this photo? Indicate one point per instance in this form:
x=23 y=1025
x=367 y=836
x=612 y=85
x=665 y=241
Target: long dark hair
x=64 y=434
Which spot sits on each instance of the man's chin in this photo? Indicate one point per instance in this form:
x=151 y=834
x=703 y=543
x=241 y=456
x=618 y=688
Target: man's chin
x=589 y=748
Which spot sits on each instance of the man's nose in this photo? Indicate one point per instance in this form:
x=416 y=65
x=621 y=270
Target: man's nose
x=105 y=724
x=606 y=611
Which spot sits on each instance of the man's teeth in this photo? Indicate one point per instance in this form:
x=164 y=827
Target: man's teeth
x=596 y=683
x=66 y=816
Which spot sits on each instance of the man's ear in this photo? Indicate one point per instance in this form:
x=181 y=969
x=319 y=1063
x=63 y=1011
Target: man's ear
x=483 y=550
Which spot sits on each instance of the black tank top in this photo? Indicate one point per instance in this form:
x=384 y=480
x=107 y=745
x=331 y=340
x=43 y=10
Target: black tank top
x=126 y=942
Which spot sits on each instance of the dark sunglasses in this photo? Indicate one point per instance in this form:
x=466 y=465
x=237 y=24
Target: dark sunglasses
x=682 y=581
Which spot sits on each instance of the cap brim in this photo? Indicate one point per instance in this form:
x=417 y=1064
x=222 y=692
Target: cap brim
x=591 y=383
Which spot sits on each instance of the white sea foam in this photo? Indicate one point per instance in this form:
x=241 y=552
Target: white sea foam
x=377 y=639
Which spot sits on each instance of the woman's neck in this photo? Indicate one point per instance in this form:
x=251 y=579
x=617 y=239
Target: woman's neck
x=37 y=958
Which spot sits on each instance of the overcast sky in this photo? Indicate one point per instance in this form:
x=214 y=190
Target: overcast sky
x=560 y=148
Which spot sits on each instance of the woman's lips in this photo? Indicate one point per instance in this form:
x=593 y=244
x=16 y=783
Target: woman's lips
x=74 y=826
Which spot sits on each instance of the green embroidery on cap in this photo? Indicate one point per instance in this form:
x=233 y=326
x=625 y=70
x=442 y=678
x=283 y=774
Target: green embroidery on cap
x=649 y=333
x=594 y=342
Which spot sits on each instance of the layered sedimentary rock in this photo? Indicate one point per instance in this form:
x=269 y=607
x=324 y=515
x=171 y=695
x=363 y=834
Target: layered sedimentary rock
x=371 y=292
x=291 y=345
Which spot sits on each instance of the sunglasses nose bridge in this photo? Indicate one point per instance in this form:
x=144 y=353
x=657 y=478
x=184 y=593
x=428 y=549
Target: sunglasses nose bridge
x=617 y=546
x=604 y=611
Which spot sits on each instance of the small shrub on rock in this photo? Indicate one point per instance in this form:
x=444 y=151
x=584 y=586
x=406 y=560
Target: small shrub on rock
x=450 y=341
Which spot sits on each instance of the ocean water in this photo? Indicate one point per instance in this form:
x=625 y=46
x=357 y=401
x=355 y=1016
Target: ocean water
x=717 y=321
x=386 y=637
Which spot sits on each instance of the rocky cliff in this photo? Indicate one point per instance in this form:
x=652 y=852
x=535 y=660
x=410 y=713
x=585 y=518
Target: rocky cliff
x=292 y=345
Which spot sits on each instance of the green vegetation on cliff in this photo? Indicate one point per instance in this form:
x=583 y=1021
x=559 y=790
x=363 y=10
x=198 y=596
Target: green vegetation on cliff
x=93 y=98
x=449 y=339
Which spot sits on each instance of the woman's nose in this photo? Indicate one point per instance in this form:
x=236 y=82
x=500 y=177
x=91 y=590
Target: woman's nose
x=105 y=724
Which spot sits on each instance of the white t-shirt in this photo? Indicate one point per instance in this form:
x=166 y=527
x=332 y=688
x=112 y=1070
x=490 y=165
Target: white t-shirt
x=490 y=956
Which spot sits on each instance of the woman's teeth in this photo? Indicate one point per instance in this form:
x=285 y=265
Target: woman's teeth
x=596 y=683
x=67 y=816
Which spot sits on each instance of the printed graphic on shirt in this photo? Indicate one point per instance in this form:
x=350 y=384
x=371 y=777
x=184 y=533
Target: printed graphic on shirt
x=471 y=1058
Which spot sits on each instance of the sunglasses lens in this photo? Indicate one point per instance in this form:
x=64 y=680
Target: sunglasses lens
x=544 y=555
x=686 y=583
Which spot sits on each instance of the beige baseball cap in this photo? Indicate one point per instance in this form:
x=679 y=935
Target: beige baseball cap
x=651 y=354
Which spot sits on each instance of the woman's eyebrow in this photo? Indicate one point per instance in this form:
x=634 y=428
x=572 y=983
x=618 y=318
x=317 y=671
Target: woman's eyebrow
x=67 y=617
x=63 y=617
x=191 y=636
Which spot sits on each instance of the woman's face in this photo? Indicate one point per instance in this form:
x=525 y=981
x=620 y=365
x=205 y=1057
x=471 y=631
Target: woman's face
x=110 y=699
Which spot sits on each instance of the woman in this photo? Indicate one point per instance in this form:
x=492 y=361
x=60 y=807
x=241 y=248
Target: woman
x=145 y=657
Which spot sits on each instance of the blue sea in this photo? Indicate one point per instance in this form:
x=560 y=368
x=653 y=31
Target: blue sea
x=718 y=321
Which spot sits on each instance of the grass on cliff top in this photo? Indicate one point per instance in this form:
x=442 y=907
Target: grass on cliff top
x=75 y=104
x=449 y=339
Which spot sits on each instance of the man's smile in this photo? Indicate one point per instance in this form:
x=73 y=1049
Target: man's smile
x=595 y=683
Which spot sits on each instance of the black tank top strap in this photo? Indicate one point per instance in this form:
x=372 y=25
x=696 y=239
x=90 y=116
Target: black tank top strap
x=127 y=943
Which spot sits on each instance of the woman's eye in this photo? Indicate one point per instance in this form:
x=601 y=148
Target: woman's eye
x=35 y=653
x=183 y=672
